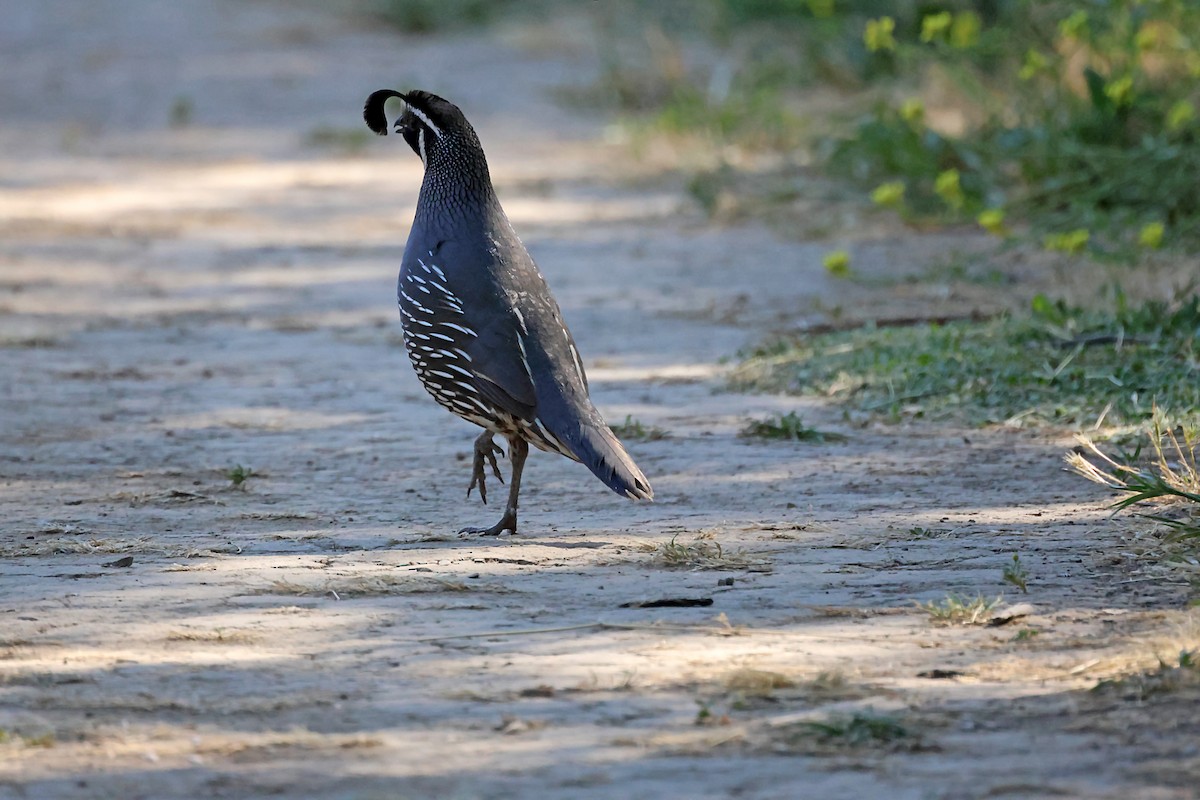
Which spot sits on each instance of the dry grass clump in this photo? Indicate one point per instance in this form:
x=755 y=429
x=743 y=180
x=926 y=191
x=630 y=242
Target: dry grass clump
x=757 y=682
x=70 y=545
x=1169 y=479
x=747 y=688
x=704 y=555
x=17 y=739
x=1178 y=674
x=958 y=610
x=826 y=687
x=1172 y=476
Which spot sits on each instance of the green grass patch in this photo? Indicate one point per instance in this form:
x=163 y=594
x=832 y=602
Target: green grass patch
x=632 y=429
x=1057 y=365
x=857 y=731
x=789 y=427
x=1026 y=634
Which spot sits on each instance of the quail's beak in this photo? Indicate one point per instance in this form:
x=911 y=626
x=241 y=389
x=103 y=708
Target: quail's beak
x=398 y=125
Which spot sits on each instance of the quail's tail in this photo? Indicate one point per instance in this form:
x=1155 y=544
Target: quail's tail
x=602 y=452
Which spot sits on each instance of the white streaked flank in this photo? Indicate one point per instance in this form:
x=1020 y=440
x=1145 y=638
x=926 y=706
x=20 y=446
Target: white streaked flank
x=458 y=327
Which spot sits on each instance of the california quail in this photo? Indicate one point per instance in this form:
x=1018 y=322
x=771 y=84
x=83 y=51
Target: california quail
x=483 y=332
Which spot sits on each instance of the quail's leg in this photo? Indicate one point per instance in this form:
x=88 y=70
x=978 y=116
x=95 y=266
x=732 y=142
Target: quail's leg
x=485 y=451
x=518 y=449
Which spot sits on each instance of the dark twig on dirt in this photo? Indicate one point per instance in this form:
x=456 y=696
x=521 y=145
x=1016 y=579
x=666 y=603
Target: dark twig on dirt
x=670 y=602
x=895 y=322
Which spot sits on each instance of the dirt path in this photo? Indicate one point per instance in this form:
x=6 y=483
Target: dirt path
x=177 y=300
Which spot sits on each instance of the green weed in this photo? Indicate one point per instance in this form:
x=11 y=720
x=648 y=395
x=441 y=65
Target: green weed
x=635 y=430
x=789 y=427
x=861 y=729
x=238 y=475
x=928 y=533
x=1026 y=634
x=1016 y=574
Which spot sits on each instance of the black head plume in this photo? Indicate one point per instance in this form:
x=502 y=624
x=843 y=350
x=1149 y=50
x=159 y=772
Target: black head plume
x=435 y=129
x=373 y=110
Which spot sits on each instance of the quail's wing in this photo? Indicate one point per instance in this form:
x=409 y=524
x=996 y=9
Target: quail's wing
x=471 y=322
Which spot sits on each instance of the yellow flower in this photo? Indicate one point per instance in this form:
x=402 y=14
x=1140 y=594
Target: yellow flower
x=888 y=194
x=1071 y=242
x=1120 y=91
x=992 y=221
x=1151 y=235
x=821 y=9
x=1180 y=115
x=878 y=34
x=949 y=188
x=837 y=264
x=964 y=32
x=1073 y=26
x=1147 y=37
x=1035 y=63
x=913 y=111
x=935 y=26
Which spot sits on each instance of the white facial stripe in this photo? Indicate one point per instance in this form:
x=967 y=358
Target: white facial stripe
x=421 y=145
x=421 y=115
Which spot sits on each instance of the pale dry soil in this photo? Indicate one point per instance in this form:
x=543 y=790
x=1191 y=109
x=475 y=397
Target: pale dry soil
x=179 y=299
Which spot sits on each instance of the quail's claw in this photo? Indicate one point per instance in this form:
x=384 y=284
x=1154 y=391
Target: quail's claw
x=490 y=455
x=478 y=479
x=485 y=452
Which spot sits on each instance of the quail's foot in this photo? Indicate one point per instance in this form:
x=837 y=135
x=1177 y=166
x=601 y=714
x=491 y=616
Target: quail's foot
x=485 y=451
x=507 y=523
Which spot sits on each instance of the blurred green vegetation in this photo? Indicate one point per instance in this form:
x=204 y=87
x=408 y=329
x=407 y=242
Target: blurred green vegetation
x=1077 y=117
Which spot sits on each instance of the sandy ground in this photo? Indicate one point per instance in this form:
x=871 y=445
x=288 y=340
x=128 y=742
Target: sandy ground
x=179 y=298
